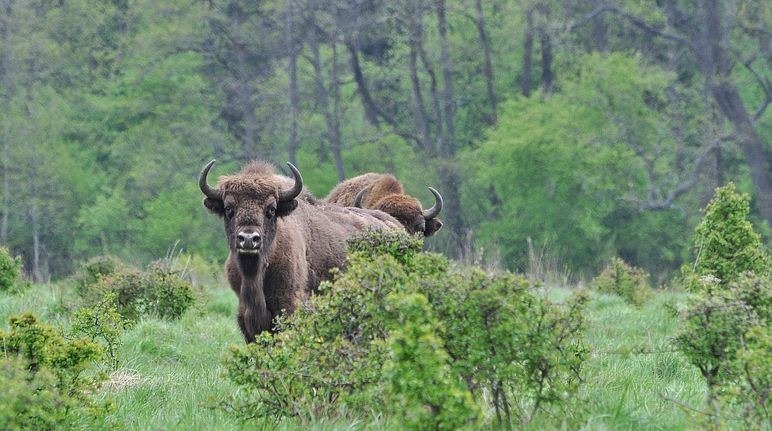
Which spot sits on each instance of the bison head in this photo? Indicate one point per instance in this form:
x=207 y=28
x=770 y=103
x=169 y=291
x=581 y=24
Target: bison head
x=250 y=204
x=408 y=211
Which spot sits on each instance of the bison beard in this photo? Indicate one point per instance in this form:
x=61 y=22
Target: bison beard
x=282 y=241
x=385 y=193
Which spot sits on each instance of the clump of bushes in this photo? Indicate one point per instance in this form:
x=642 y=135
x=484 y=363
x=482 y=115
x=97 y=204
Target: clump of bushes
x=726 y=328
x=44 y=379
x=624 y=280
x=158 y=291
x=433 y=344
x=10 y=270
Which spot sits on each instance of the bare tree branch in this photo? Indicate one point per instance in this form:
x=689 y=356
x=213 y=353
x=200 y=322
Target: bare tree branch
x=684 y=186
x=635 y=20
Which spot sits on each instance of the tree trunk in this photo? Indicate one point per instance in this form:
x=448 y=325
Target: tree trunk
x=449 y=145
x=37 y=276
x=5 y=81
x=294 y=98
x=598 y=29
x=336 y=135
x=546 y=60
x=434 y=91
x=333 y=131
x=488 y=65
x=243 y=90
x=371 y=111
x=448 y=171
x=727 y=96
x=419 y=110
x=525 y=77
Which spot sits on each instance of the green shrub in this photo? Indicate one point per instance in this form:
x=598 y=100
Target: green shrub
x=422 y=388
x=159 y=291
x=10 y=270
x=727 y=320
x=725 y=242
x=43 y=378
x=626 y=281
x=103 y=324
x=87 y=277
x=168 y=295
x=428 y=342
x=754 y=390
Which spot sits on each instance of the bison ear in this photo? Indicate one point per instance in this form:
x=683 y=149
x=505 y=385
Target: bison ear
x=432 y=226
x=285 y=208
x=215 y=206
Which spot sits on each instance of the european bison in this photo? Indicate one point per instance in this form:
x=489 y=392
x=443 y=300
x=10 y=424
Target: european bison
x=282 y=241
x=384 y=192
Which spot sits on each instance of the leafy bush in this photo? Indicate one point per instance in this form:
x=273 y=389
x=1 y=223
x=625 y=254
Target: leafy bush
x=159 y=291
x=10 y=270
x=88 y=275
x=754 y=390
x=428 y=342
x=43 y=377
x=726 y=324
x=627 y=281
x=422 y=388
x=725 y=243
x=103 y=324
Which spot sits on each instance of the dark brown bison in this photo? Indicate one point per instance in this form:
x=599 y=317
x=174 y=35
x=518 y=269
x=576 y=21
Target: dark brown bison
x=282 y=241
x=384 y=192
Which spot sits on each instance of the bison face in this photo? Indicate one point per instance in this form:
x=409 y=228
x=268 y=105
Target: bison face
x=250 y=206
x=408 y=211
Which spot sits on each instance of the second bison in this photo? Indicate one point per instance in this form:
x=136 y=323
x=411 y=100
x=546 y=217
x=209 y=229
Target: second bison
x=384 y=192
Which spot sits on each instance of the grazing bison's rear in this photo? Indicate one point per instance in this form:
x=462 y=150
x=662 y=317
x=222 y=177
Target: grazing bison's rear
x=282 y=241
x=384 y=192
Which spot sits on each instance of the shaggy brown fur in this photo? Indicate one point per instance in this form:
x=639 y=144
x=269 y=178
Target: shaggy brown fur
x=299 y=241
x=385 y=193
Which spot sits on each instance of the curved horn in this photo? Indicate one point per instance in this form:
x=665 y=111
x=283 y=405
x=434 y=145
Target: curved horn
x=434 y=211
x=359 y=196
x=210 y=192
x=288 y=195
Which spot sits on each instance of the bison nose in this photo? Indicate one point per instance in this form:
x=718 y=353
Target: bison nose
x=248 y=240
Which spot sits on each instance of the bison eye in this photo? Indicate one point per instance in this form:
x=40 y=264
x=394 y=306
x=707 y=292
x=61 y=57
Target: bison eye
x=270 y=212
x=229 y=211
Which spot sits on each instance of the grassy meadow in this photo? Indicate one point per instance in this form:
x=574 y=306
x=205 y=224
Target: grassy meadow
x=170 y=372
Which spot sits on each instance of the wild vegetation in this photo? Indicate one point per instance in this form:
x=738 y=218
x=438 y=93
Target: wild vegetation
x=596 y=129
x=606 y=162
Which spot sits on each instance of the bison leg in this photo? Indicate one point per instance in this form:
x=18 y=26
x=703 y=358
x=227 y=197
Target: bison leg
x=249 y=338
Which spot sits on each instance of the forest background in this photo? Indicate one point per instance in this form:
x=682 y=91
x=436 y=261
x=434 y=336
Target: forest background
x=569 y=130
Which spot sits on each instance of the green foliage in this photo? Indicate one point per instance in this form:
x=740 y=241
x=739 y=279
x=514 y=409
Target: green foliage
x=725 y=242
x=403 y=329
x=159 y=291
x=754 y=362
x=422 y=388
x=103 y=324
x=565 y=170
x=729 y=314
x=392 y=242
x=87 y=277
x=10 y=270
x=44 y=379
x=629 y=282
x=712 y=327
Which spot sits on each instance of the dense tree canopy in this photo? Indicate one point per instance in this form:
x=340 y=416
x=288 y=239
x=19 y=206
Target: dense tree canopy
x=593 y=128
